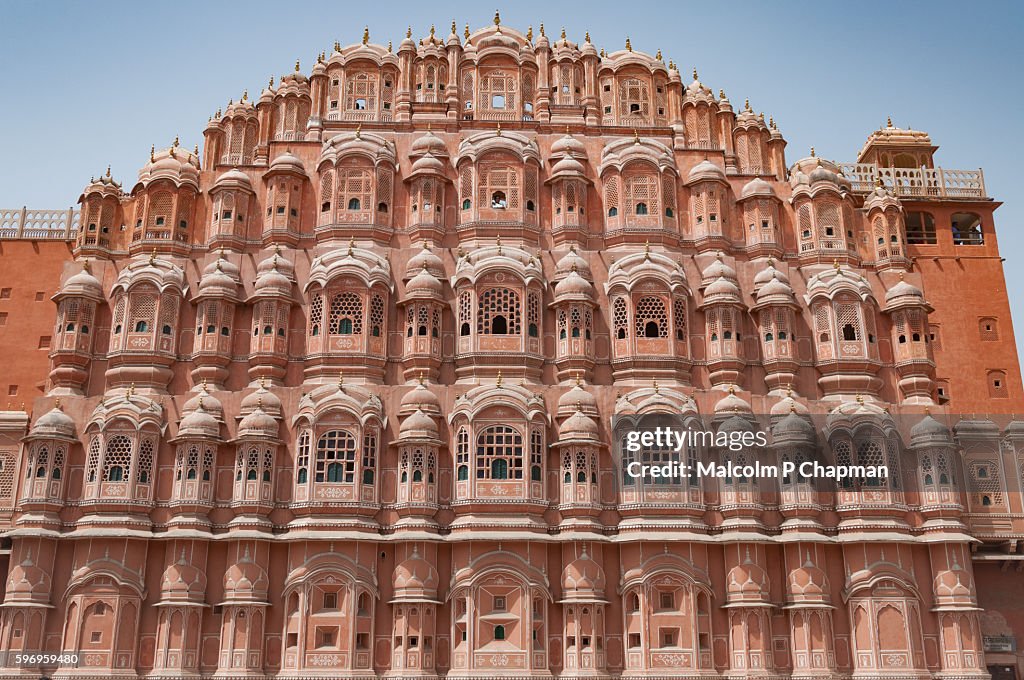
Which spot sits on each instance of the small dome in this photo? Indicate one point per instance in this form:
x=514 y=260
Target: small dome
x=209 y=403
x=823 y=174
x=704 y=171
x=954 y=586
x=903 y=291
x=425 y=258
x=258 y=424
x=182 y=581
x=27 y=581
x=234 y=179
x=583 y=575
x=793 y=425
x=415 y=577
x=428 y=164
x=220 y=278
x=717 y=269
x=419 y=424
x=424 y=284
x=54 y=423
x=567 y=166
x=568 y=145
x=775 y=288
x=747 y=581
x=578 y=426
x=757 y=188
x=429 y=143
x=572 y=260
x=789 y=405
x=273 y=279
x=262 y=398
x=82 y=284
x=246 y=580
x=722 y=288
x=577 y=397
x=808 y=582
x=574 y=287
x=769 y=273
x=928 y=432
x=287 y=162
x=199 y=423
x=420 y=398
x=731 y=403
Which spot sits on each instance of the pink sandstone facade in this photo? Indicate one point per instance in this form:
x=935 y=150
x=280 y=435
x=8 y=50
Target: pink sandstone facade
x=334 y=397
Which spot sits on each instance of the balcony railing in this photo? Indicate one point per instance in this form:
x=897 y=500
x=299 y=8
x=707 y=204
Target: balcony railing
x=54 y=225
x=917 y=182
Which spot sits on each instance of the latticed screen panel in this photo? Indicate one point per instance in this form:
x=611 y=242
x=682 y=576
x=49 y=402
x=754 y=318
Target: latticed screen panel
x=848 y=321
x=499 y=453
x=642 y=195
x=536 y=453
x=498 y=309
x=369 y=459
x=160 y=210
x=376 y=316
x=499 y=187
x=168 y=313
x=804 y=220
x=828 y=220
x=316 y=313
x=117 y=459
x=679 y=316
x=335 y=457
x=144 y=474
x=346 y=314
x=620 y=317
x=384 y=183
x=93 y=461
x=611 y=196
x=651 y=318
x=634 y=98
x=355 y=189
x=326 y=191
x=533 y=310
x=498 y=91
x=465 y=307
x=143 y=311
x=361 y=92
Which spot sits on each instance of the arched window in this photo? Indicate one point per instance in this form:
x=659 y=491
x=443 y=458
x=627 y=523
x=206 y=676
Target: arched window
x=849 y=332
x=641 y=208
x=117 y=459
x=462 y=454
x=499 y=200
x=499 y=453
x=353 y=204
x=335 y=457
x=620 y=318
x=499 y=632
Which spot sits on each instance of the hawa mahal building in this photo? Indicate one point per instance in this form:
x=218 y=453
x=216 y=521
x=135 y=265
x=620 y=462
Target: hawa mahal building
x=334 y=397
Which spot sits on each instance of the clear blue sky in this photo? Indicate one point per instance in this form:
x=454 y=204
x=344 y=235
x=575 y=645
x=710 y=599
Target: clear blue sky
x=92 y=83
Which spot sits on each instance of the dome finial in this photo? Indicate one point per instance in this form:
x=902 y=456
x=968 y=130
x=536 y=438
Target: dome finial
x=695 y=73
x=296 y=65
x=359 y=130
x=351 y=244
x=245 y=95
x=465 y=34
x=86 y=267
x=498 y=381
x=366 y=35
x=657 y=388
x=152 y=256
x=152 y=153
x=629 y=45
x=432 y=32
x=341 y=379
x=888 y=121
x=421 y=377
x=586 y=37
x=56 y=403
x=563 y=33
x=746 y=104
x=835 y=264
x=390 y=47
x=860 y=399
x=636 y=136
x=658 y=55
x=878 y=181
x=529 y=34
x=578 y=381
x=647 y=249
x=131 y=391
x=813 y=155
x=497 y=21
x=732 y=389
x=498 y=131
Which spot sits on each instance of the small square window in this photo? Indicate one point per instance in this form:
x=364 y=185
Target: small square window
x=40 y=296
x=96 y=637
x=3 y=318
x=330 y=600
x=5 y=293
x=499 y=603
x=12 y=390
x=44 y=342
x=666 y=601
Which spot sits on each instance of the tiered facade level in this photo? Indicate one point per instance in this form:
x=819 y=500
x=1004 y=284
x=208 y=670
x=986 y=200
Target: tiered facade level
x=334 y=398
